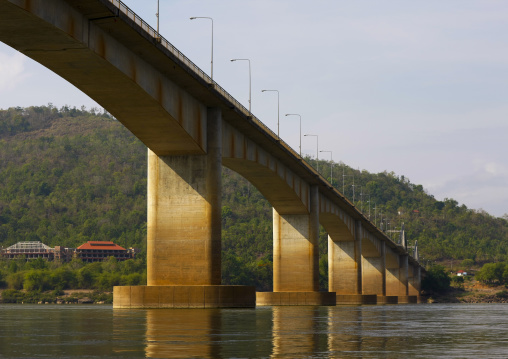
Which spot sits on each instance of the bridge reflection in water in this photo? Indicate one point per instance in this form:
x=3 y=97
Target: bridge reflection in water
x=183 y=333
x=276 y=332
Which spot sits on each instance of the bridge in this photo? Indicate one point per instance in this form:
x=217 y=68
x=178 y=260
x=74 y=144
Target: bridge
x=192 y=127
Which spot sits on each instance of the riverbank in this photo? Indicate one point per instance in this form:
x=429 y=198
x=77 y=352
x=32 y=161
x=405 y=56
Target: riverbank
x=472 y=292
x=74 y=296
x=469 y=292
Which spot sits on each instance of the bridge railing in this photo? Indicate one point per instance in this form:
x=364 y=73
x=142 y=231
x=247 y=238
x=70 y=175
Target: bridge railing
x=191 y=65
x=178 y=54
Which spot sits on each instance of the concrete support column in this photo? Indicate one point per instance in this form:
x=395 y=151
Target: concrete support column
x=373 y=276
x=418 y=279
x=392 y=281
x=344 y=267
x=383 y=267
x=413 y=280
x=295 y=249
x=403 y=276
x=358 y=256
x=184 y=214
x=406 y=274
x=184 y=233
x=296 y=259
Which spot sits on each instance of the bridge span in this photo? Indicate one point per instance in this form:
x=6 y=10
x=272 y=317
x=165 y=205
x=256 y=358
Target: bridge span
x=192 y=127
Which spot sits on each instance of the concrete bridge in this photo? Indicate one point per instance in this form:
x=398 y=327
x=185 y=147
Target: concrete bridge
x=192 y=127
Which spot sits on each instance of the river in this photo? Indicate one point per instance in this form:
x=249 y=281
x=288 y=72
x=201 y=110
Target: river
x=384 y=331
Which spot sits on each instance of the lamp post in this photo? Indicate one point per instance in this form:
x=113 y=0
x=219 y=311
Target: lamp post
x=232 y=60
x=361 y=198
x=343 y=182
x=211 y=62
x=369 y=205
x=331 y=166
x=277 y=109
x=353 y=185
x=157 y=14
x=295 y=114
x=317 y=150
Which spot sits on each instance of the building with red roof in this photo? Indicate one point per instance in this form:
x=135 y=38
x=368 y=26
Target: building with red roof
x=97 y=251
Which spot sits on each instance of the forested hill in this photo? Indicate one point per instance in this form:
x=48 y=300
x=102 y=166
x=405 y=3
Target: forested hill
x=69 y=175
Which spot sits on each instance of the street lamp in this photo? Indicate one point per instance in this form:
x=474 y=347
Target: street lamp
x=277 y=109
x=353 y=185
x=232 y=60
x=211 y=62
x=317 y=150
x=369 y=204
x=295 y=114
x=361 y=198
x=157 y=14
x=331 y=166
x=343 y=182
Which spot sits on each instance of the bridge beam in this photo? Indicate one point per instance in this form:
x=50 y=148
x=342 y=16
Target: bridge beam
x=184 y=232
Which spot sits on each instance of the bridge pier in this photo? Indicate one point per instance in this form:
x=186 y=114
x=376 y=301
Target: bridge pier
x=394 y=285
x=404 y=296
x=184 y=233
x=296 y=259
x=345 y=267
x=373 y=273
x=413 y=283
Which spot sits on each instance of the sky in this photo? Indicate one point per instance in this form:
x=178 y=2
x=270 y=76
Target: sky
x=419 y=88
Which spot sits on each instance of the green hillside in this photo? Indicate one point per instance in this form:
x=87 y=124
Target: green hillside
x=69 y=175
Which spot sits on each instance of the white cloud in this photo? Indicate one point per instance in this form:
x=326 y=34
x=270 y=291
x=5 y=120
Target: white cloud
x=485 y=186
x=12 y=70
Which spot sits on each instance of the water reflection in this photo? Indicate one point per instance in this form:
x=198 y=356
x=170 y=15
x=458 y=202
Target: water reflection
x=404 y=331
x=207 y=333
x=294 y=332
x=275 y=332
x=357 y=332
x=183 y=333
x=415 y=331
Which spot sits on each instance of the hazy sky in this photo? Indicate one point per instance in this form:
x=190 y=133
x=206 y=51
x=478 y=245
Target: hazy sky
x=415 y=87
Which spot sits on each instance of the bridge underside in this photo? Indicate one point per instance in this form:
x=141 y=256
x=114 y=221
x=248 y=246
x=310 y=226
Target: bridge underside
x=84 y=49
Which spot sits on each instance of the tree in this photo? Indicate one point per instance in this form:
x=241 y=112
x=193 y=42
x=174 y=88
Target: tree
x=491 y=273
x=436 y=280
x=36 y=279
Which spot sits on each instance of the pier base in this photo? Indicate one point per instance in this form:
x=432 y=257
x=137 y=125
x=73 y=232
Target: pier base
x=295 y=298
x=387 y=299
x=189 y=296
x=356 y=299
x=408 y=299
